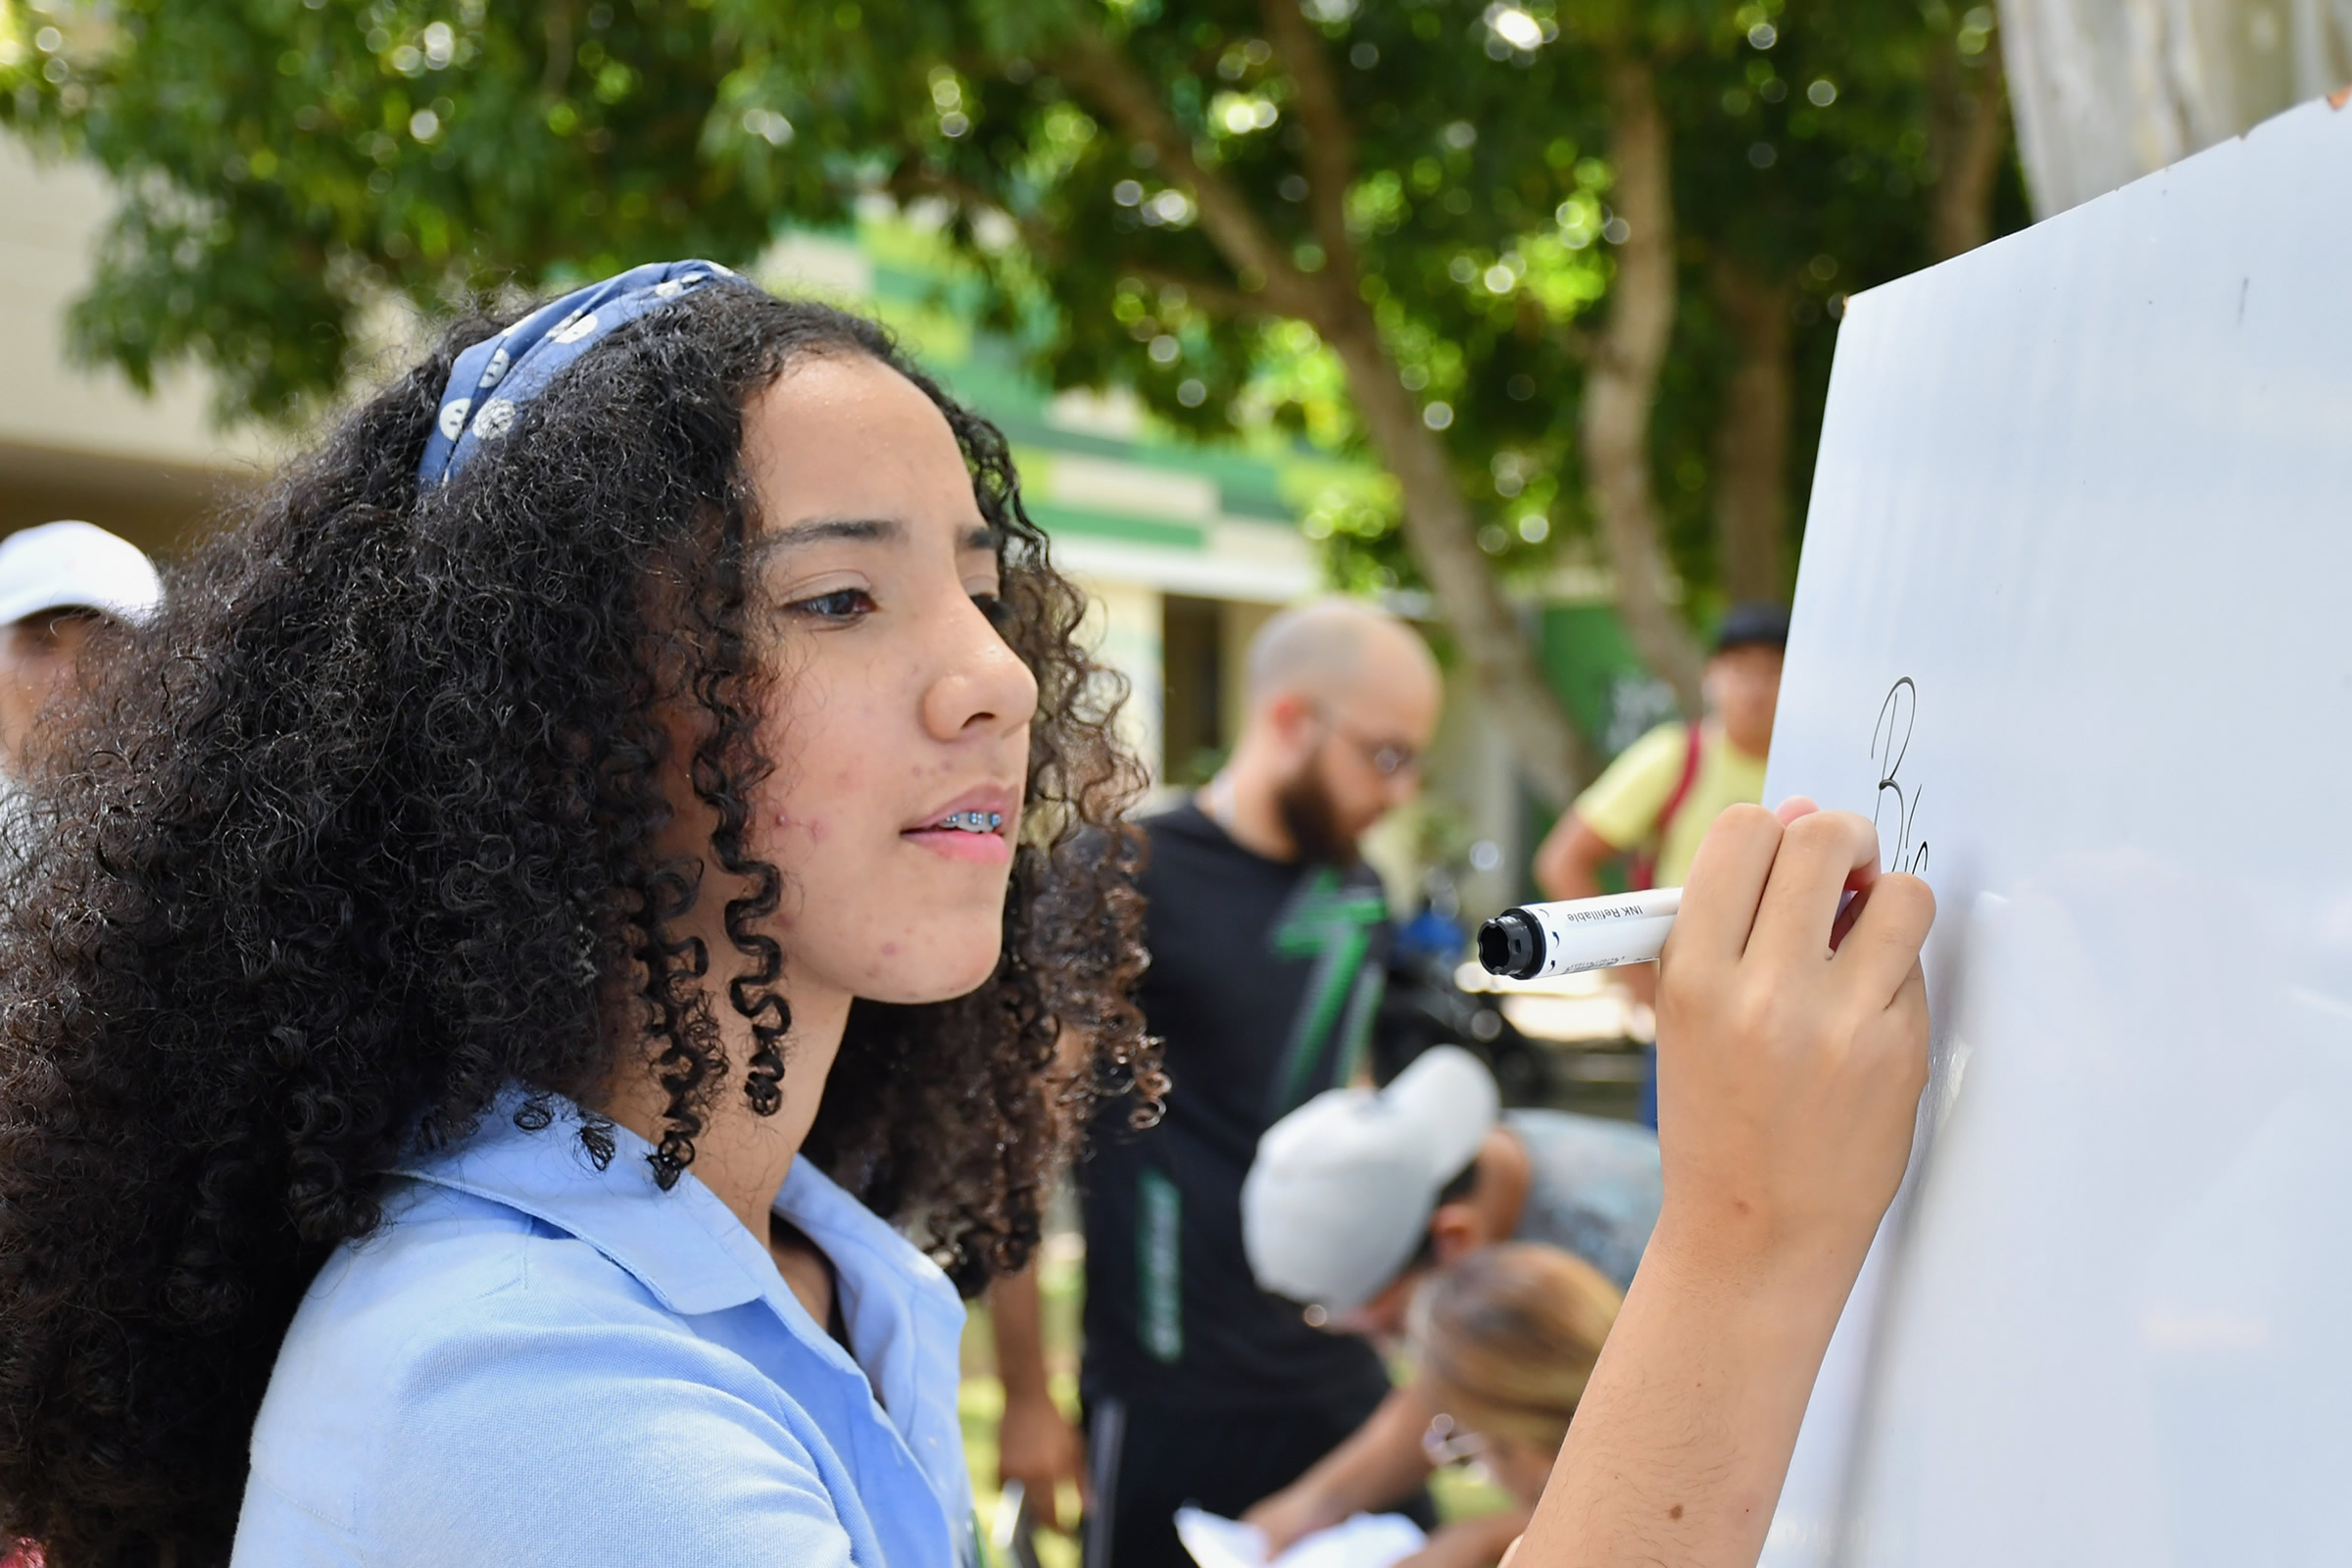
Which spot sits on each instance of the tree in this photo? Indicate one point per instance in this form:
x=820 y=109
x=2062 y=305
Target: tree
x=1800 y=152
x=1833 y=146
x=1404 y=203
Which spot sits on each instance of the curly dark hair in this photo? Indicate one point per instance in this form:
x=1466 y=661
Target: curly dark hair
x=362 y=830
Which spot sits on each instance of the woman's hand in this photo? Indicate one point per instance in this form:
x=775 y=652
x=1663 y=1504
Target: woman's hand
x=1792 y=1042
x=1792 y=1033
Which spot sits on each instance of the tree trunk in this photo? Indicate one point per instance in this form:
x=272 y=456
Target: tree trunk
x=1621 y=380
x=1442 y=533
x=1751 y=435
x=1967 y=131
x=1438 y=527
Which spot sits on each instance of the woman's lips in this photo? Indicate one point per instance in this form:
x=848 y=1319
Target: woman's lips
x=956 y=843
x=984 y=800
x=976 y=826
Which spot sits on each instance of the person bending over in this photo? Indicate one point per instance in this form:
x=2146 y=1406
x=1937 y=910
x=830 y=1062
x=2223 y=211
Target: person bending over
x=1502 y=1343
x=1357 y=1195
x=1267 y=936
x=577 y=866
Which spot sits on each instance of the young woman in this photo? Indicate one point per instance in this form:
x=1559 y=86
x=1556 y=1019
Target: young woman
x=622 y=826
x=1504 y=1342
x=585 y=859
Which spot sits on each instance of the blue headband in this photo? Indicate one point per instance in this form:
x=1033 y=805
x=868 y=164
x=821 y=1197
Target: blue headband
x=522 y=360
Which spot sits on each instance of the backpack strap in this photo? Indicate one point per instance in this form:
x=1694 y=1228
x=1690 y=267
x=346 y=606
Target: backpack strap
x=1644 y=870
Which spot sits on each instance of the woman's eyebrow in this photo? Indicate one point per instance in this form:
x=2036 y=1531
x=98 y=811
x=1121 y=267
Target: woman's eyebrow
x=817 y=531
x=980 y=536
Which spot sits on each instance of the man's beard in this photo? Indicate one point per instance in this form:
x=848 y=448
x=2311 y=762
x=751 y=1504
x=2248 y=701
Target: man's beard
x=1310 y=817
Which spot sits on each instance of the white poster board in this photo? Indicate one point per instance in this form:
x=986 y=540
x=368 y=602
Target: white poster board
x=2075 y=620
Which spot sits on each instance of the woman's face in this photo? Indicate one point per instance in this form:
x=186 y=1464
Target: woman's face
x=901 y=724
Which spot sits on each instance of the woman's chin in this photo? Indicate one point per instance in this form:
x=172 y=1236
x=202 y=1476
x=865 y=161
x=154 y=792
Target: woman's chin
x=933 y=972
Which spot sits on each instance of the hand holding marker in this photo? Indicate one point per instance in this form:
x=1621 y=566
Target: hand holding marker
x=1537 y=941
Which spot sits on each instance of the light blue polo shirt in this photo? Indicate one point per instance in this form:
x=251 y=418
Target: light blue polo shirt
x=534 y=1361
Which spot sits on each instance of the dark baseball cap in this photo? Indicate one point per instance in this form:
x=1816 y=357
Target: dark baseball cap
x=1754 y=622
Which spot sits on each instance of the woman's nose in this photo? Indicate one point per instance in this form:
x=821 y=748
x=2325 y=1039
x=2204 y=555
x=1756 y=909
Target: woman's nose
x=981 y=683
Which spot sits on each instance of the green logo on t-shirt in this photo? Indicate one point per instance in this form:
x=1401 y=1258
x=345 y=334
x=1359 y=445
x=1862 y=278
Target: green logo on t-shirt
x=1332 y=925
x=1158 y=1276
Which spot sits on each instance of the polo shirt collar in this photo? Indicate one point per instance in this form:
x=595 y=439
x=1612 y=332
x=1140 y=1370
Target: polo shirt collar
x=684 y=1246
x=688 y=1250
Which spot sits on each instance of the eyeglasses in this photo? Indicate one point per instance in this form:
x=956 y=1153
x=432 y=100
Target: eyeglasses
x=1444 y=1444
x=1388 y=758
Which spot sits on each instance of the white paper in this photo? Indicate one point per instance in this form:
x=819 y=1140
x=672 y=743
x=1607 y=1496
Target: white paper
x=2072 y=622
x=1366 y=1540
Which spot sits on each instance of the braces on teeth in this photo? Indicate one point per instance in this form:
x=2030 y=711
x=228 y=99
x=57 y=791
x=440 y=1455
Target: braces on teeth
x=975 y=821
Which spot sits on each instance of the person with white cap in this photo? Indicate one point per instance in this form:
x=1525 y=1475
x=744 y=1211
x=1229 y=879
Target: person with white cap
x=1358 y=1194
x=57 y=582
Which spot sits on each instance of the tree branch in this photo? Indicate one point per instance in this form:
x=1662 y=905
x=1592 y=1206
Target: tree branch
x=1438 y=527
x=1097 y=70
x=1330 y=152
x=1621 y=379
x=1214 y=298
x=1968 y=132
x=557 y=70
x=1751 y=432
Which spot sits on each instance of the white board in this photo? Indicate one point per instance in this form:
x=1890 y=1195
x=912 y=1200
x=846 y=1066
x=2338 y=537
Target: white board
x=2084 y=509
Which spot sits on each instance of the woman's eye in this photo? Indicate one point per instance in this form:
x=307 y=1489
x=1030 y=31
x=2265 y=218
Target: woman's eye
x=842 y=603
x=993 y=606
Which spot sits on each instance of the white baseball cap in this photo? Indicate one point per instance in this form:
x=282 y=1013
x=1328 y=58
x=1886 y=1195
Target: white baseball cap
x=75 y=565
x=1340 y=1195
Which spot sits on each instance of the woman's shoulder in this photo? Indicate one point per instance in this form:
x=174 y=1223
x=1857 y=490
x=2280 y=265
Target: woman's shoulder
x=453 y=1290
x=466 y=1352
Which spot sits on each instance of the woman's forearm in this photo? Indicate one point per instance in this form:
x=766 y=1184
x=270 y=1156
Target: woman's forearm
x=1683 y=1435
x=1791 y=1052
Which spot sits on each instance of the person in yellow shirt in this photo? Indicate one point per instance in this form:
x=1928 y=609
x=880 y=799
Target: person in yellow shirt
x=1655 y=801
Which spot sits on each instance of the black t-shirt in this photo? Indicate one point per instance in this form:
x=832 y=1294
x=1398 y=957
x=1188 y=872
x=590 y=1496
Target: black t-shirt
x=1264 y=982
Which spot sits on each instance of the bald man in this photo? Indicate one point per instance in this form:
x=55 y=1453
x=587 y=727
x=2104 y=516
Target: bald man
x=1268 y=939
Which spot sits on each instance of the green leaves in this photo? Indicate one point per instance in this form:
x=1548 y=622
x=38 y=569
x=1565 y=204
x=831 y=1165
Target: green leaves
x=289 y=164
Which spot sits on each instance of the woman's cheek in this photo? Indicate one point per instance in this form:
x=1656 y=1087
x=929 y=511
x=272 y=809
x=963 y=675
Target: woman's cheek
x=798 y=840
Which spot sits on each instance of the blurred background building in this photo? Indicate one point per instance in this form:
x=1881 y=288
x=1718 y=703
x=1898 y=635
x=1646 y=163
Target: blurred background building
x=77 y=441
